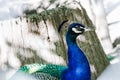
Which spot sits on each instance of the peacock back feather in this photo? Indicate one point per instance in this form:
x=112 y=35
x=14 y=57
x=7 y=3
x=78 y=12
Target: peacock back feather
x=42 y=71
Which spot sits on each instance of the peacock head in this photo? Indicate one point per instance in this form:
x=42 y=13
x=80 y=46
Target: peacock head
x=75 y=28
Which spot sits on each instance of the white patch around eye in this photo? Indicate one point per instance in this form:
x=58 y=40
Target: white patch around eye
x=76 y=31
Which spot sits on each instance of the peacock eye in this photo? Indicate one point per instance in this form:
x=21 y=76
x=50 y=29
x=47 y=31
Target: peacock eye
x=80 y=28
x=77 y=26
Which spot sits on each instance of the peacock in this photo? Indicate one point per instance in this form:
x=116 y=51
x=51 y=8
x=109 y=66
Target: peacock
x=78 y=67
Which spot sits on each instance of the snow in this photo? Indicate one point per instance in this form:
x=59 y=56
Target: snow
x=111 y=73
x=14 y=8
x=114 y=31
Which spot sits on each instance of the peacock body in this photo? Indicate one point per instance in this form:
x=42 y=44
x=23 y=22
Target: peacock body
x=78 y=66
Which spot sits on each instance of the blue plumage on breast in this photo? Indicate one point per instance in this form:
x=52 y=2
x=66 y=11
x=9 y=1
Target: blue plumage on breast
x=76 y=74
x=76 y=57
x=78 y=65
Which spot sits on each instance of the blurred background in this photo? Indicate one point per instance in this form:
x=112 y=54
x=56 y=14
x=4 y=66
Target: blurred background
x=103 y=13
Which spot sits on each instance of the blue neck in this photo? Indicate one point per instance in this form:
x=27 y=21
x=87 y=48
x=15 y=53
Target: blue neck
x=78 y=66
x=75 y=54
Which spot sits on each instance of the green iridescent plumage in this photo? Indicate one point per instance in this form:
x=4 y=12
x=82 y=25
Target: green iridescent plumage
x=43 y=76
x=41 y=71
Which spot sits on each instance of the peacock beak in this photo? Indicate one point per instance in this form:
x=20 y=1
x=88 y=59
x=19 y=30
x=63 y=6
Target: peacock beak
x=87 y=29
